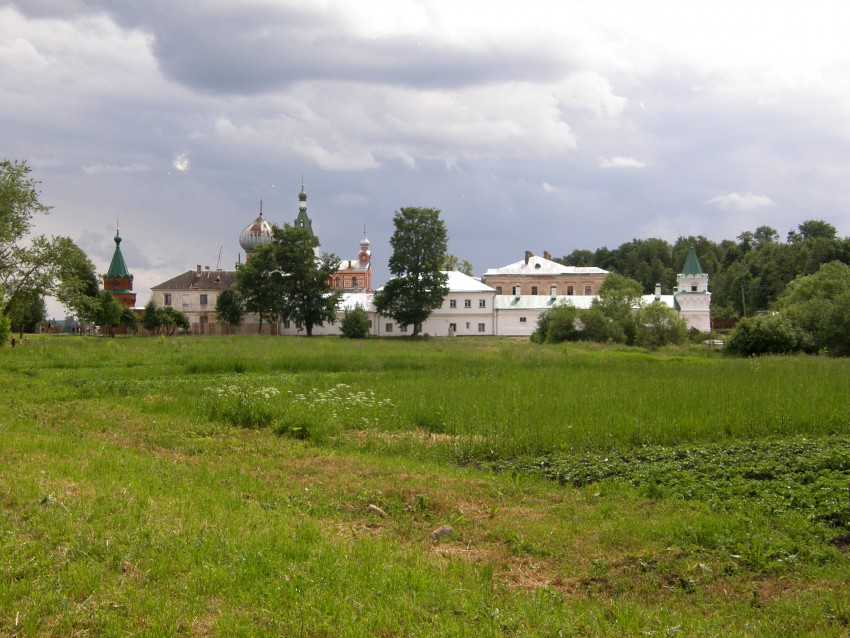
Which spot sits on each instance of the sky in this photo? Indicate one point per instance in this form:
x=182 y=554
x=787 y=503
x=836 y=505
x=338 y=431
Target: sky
x=541 y=125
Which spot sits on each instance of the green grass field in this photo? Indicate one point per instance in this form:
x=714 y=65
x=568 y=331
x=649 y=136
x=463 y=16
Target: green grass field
x=221 y=487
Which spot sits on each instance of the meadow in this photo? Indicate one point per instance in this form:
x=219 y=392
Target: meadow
x=250 y=486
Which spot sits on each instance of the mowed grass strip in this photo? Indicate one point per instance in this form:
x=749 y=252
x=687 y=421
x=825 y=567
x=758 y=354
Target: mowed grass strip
x=130 y=506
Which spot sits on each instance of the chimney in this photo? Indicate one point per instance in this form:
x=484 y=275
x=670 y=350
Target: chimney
x=198 y=271
x=546 y=255
x=206 y=267
x=658 y=291
x=528 y=255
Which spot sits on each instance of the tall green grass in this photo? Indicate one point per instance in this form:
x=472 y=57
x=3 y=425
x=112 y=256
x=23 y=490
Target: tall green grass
x=492 y=398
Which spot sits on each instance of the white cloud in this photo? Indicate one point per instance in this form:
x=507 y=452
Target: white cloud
x=621 y=162
x=181 y=162
x=745 y=202
x=591 y=92
x=548 y=188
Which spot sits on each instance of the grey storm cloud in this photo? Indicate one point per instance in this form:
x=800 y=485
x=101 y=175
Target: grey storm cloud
x=230 y=48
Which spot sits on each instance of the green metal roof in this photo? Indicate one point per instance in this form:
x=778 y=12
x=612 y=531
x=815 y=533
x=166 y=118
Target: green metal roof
x=692 y=265
x=302 y=221
x=117 y=268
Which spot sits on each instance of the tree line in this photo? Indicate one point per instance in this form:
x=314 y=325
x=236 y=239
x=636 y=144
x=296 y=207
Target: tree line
x=747 y=275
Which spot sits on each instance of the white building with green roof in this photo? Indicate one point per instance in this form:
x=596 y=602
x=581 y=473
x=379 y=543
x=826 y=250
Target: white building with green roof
x=692 y=298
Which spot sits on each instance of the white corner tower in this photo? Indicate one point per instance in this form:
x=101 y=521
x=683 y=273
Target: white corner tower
x=692 y=299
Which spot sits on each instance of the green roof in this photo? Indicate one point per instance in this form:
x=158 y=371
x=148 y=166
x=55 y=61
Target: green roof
x=117 y=268
x=692 y=265
x=302 y=221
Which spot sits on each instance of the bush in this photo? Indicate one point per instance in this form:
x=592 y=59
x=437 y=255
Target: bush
x=355 y=324
x=564 y=324
x=766 y=334
x=658 y=325
x=561 y=323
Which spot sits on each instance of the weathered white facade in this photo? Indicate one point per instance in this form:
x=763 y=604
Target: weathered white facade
x=692 y=299
x=466 y=311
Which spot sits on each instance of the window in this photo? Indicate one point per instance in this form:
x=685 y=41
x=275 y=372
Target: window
x=588 y=290
x=480 y=327
x=693 y=287
x=534 y=290
x=482 y=303
x=354 y=282
x=467 y=325
x=467 y=303
x=186 y=300
x=522 y=319
x=402 y=328
x=167 y=300
x=553 y=290
x=388 y=327
x=498 y=290
x=570 y=290
x=286 y=325
x=203 y=300
x=452 y=328
x=517 y=290
x=452 y=303
x=336 y=282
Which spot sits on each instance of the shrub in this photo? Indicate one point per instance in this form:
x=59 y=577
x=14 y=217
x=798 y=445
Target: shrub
x=766 y=334
x=658 y=325
x=355 y=324
x=564 y=324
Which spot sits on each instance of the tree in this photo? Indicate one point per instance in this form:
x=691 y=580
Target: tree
x=170 y=319
x=129 y=320
x=18 y=204
x=355 y=324
x=229 y=309
x=819 y=306
x=255 y=282
x=41 y=266
x=419 y=245
x=453 y=263
x=107 y=312
x=76 y=285
x=303 y=293
x=5 y=329
x=151 y=318
x=618 y=297
x=26 y=311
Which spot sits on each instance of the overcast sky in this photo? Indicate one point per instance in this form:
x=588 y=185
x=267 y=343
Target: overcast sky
x=535 y=125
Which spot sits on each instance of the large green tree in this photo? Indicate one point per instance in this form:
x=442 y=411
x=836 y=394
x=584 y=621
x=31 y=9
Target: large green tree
x=285 y=281
x=419 y=245
x=76 y=283
x=256 y=284
x=38 y=266
x=302 y=281
x=819 y=306
x=20 y=264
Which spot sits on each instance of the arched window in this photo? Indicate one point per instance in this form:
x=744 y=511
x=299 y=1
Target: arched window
x=354 y=282
x=336 y=282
